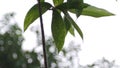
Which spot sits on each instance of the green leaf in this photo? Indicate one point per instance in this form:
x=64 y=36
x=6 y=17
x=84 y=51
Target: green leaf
x=71 y=30
x=74 y=0
x=95 y=12
x=42 y=0
x=67 y=24
x=69 y=5
x=57 y=2
x=73 y=23
x=33 y=14
x=78 y=11
x=89 y=10
x=74 y=5
x=69 y=27
x=58 y=30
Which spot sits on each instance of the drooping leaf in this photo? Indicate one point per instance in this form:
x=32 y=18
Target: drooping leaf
x=69 y=27
x=57 y=2
x=67 y=24
x=68 y=17
x=33 y=14
x=95 y=12
x=58 y=30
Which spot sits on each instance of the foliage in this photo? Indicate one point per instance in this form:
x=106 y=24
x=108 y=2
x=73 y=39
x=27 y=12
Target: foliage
x=77 y=7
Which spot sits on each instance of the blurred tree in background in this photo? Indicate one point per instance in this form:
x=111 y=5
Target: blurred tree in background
x=103 y=63
x=12 y=55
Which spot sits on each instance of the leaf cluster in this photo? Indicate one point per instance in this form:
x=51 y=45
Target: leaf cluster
x=61 y=25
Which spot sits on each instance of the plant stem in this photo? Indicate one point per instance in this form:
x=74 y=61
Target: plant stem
x=43 y=36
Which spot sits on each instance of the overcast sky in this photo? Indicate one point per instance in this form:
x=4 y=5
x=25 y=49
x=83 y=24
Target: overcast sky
x=101 y=35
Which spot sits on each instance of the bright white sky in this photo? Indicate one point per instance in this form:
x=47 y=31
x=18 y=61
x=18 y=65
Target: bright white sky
x=101 y=35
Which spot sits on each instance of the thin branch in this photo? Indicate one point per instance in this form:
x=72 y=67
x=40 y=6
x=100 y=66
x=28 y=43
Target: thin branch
x=43 y=36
